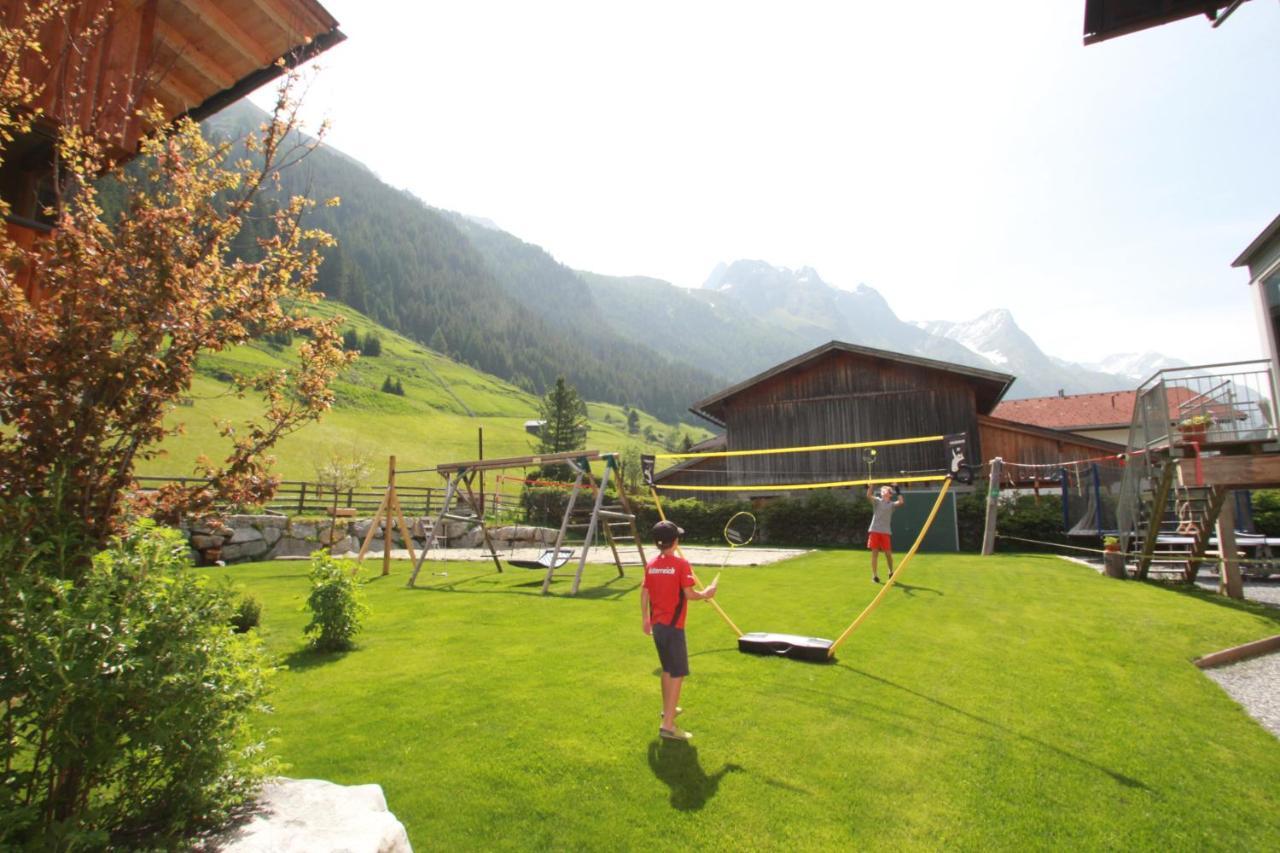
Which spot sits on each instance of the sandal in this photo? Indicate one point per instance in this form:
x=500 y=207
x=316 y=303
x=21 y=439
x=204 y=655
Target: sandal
x=674 y=734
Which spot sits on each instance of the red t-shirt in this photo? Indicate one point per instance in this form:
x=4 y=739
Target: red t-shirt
x=666 y=578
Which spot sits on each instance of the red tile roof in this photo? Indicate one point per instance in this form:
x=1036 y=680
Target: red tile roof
x=1103 y=410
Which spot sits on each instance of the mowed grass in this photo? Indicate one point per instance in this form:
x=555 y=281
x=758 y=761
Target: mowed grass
x=1007 y=702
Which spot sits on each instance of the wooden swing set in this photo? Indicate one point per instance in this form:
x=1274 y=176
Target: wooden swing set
x=462 y=502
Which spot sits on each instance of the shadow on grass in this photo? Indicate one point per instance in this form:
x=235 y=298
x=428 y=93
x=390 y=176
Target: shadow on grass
x=1269 y=612
x=912 y=590
x=676 y=764
x=1127 y=781
x=308 y=658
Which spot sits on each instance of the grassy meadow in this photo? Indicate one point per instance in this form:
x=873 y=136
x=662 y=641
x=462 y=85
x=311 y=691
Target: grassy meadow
x=435 y=421
x=1008 y=702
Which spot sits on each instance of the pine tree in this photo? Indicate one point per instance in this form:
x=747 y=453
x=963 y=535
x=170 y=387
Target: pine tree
x=565 y=414
x=438 y=343
x=351 y=340
x=633 y=422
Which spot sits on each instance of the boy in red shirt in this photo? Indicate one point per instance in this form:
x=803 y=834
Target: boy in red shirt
x=668 y=586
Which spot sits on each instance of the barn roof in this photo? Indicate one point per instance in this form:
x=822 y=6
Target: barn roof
x=988 y=385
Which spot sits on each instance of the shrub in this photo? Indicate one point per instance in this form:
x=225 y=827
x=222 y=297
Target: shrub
x=371 y=345
x=336 y=604
x=248 y=614
x=125 y=695
x=1266 y=511
x=1027 y=518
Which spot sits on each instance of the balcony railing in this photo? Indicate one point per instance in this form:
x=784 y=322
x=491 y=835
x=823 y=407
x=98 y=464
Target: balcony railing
x=1234 y=402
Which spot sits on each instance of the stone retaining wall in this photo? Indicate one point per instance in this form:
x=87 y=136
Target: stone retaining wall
x=238 y=538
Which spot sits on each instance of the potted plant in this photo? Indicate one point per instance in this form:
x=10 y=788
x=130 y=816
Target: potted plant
x=1112 y=558
x=1195 y=428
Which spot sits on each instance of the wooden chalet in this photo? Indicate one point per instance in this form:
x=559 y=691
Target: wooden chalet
x=192 y=56
x=840 y=393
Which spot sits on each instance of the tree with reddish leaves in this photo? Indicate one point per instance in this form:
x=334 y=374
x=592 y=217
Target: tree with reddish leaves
x=128 y=302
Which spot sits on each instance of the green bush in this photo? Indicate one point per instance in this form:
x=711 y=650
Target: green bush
x=124 y=694
x=248 y=614
x=1027 y=518
x=1266 y=511
x=336 y=604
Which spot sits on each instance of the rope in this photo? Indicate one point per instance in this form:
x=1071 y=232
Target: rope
x=797 y=486
x=1156 y=556
x=902 y=567
x=809 y=449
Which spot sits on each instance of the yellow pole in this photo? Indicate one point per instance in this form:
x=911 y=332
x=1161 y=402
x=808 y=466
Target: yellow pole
x=902 y=567
x=725 y=616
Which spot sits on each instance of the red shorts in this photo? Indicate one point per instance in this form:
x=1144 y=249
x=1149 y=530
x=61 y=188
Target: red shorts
x=878 y=542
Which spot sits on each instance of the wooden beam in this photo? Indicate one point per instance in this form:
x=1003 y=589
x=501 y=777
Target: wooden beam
x=178 y=92
x=1229 y=581
x=516 y=461
x=1235 y=472
x=235 y=35
x=1159 y=501
x=193 y=56
x=292 y=20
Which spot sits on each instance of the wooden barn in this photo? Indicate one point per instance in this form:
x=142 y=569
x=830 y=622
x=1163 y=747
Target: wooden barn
x=106 y=58
x=839 y=393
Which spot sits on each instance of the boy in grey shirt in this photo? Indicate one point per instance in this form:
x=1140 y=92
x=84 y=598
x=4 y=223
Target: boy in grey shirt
x=882 y=507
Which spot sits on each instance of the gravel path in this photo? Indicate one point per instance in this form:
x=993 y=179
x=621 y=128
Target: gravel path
x=1255 y=684
x=699 y=555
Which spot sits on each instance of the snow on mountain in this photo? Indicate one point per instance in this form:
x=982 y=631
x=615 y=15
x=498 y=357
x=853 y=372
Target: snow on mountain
x=1138 y=366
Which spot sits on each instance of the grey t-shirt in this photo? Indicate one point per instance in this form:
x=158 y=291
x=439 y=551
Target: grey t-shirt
x=881 y=513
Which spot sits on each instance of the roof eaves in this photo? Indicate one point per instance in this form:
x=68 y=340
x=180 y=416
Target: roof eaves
x=255 y=80
x=1267 y=234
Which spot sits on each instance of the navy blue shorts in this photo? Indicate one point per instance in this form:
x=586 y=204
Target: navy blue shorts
x=672 y=651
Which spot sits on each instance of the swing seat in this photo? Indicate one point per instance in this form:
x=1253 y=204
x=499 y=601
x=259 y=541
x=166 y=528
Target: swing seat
x=547 y=560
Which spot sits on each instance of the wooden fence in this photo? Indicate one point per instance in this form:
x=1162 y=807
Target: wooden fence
x=296 y=497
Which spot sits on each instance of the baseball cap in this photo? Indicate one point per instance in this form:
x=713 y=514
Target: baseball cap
x=665 y=532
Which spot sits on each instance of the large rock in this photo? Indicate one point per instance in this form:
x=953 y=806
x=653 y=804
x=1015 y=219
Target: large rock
x=250 y=550
x=311 y=814
x=200 y=541
x=303 y=530
x=345 y=545
x=471 y=539
x=292 y=546
x=245 y=534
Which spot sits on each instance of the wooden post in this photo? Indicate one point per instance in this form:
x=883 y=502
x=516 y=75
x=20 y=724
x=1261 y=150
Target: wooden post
x=480 y=442
x=993 y=510
x=302 y=498
x=1229 y=578
x=388 y=527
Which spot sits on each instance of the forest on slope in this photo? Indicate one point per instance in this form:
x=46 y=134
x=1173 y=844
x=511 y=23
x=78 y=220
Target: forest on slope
x=482 y=297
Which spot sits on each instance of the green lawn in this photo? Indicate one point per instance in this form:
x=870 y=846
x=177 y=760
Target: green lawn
x=1009 y=702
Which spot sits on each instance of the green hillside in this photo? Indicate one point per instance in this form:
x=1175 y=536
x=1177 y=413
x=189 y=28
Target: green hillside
x=412 y=269
x=436 y=420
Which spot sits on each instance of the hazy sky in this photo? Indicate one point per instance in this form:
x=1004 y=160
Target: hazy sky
x=952 y=160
